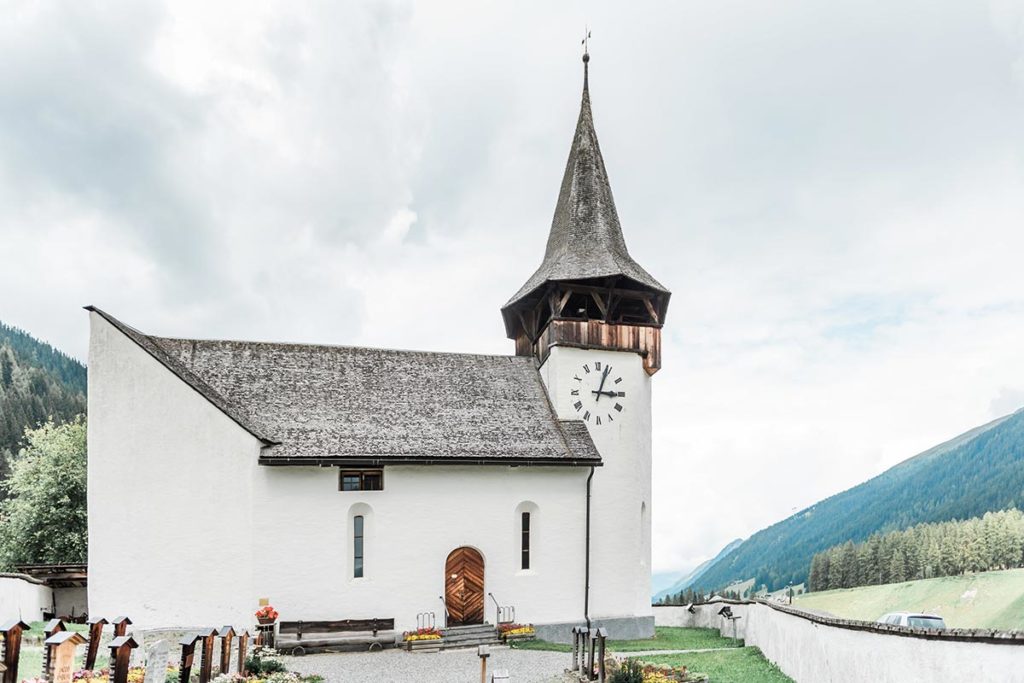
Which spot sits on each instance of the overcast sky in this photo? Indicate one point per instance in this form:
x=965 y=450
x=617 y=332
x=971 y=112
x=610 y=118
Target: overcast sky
x=832 y=191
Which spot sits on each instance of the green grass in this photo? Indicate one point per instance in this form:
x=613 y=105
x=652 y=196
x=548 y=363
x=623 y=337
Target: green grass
x=665 y=638
x=985 y=600
x=739 y=665
x=673 y=638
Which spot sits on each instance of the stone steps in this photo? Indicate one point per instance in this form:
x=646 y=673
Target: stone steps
x=469 y=636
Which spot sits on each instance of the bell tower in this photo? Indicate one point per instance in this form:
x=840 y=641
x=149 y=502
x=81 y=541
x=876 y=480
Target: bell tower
x=591 y=316
x=588 y=291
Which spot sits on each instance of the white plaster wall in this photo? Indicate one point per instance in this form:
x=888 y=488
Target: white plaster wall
x=620 y=532
x=411 y=526
x=71 y=601
x=819 y=653
x=170 y=489
x=23 y=599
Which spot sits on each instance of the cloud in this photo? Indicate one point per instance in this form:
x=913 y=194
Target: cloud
x=832 y=192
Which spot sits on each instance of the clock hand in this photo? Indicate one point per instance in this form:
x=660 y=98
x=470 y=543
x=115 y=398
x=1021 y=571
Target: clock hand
x=605 y=393
x=604 y=376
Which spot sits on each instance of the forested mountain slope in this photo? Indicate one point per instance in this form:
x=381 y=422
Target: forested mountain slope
x=36 y=382
x=690 y=578
x=978 y=471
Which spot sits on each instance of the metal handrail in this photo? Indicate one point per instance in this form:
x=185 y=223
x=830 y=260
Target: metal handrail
x=425 y=620
x=447 y=615
x=503 y=614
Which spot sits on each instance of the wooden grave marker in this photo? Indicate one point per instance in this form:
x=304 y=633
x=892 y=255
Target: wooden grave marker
x=121 y=625
x=60 y=655
x=188 y=655
x=120 y=658
x=12 y=631
x=206 y=656
x=96 y=625
x=226 y=634
x=52 y=626
x=243 y=647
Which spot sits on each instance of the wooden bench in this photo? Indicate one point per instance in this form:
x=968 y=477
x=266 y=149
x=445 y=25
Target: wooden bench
x=345 y=635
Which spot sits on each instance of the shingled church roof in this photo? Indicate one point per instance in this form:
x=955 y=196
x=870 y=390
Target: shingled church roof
x=586 y=240
x=336 y=404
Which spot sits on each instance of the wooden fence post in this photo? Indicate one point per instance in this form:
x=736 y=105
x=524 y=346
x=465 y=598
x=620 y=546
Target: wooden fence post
x=243 y=647
x=120 y=658
x=12 y=631
x=96 y=625
x=52 y=626
x=206 y=659
x=226 y=633
x=188 y=655
x=602 y=635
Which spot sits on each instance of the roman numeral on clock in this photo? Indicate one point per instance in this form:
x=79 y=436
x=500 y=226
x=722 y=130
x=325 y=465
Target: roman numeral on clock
x=577 y=405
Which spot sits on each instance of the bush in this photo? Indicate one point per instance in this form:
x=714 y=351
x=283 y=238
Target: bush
x=256 y=665
x=630 y=672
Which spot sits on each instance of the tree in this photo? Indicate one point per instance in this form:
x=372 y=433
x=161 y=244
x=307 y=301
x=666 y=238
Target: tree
x=44 y=517
x=6 y=369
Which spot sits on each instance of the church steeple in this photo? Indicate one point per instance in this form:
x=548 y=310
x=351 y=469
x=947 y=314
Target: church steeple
x=587 y=273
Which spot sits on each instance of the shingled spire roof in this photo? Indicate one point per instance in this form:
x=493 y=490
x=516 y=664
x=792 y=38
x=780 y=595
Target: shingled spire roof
x=586 y=239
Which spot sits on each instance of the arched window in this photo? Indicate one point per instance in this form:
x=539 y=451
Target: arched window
x=525 y=541
x=526 y=536
x=357 y=537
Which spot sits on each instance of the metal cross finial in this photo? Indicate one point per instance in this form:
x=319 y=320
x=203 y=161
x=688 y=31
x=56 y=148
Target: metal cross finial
x=586 y=41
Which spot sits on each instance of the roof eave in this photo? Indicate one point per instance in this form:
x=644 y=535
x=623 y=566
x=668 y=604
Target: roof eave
x=390 y=461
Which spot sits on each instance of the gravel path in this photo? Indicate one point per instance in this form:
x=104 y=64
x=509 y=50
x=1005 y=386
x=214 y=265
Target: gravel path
x=450 y=666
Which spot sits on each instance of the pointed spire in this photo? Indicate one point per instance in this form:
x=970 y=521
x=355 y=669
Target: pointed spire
x=586 y=239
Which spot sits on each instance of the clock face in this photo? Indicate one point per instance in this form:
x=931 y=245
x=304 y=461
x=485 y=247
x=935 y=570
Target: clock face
x=596 y=394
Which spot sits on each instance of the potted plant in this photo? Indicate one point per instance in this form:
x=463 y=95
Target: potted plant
x=266 y=615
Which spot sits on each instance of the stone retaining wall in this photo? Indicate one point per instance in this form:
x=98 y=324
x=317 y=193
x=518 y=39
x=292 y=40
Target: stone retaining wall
x=814 y=648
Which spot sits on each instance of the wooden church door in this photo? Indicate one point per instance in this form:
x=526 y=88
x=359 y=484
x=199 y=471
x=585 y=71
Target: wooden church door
x=464 y=587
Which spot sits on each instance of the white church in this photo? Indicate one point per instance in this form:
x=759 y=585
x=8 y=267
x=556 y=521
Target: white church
x=355 y=483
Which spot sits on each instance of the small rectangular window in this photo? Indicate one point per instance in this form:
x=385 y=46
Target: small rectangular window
x=357 y=537
x=526 y=541
x=361 y=480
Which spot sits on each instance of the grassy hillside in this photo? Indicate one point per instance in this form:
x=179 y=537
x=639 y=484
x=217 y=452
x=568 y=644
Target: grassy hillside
x=986 y=600
x=978 y=471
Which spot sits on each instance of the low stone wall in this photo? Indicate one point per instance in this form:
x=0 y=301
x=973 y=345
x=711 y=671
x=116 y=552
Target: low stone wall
x=814 y=648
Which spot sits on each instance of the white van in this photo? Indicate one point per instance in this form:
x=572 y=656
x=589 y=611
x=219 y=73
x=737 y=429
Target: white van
x=913 y=620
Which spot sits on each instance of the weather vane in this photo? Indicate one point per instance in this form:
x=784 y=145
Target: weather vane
x=586 y=41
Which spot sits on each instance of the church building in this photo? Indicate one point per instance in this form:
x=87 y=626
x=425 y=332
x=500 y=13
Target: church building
x=355 y=483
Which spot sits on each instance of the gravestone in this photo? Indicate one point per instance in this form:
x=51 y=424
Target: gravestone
x=156 y=662
x=11 y=632
x=61 y=647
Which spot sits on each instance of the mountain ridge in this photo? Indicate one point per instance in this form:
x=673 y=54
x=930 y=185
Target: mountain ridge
x=686 y=580
x=972 y=473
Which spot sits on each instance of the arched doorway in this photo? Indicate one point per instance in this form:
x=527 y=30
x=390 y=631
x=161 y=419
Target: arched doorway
x=464 y=587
